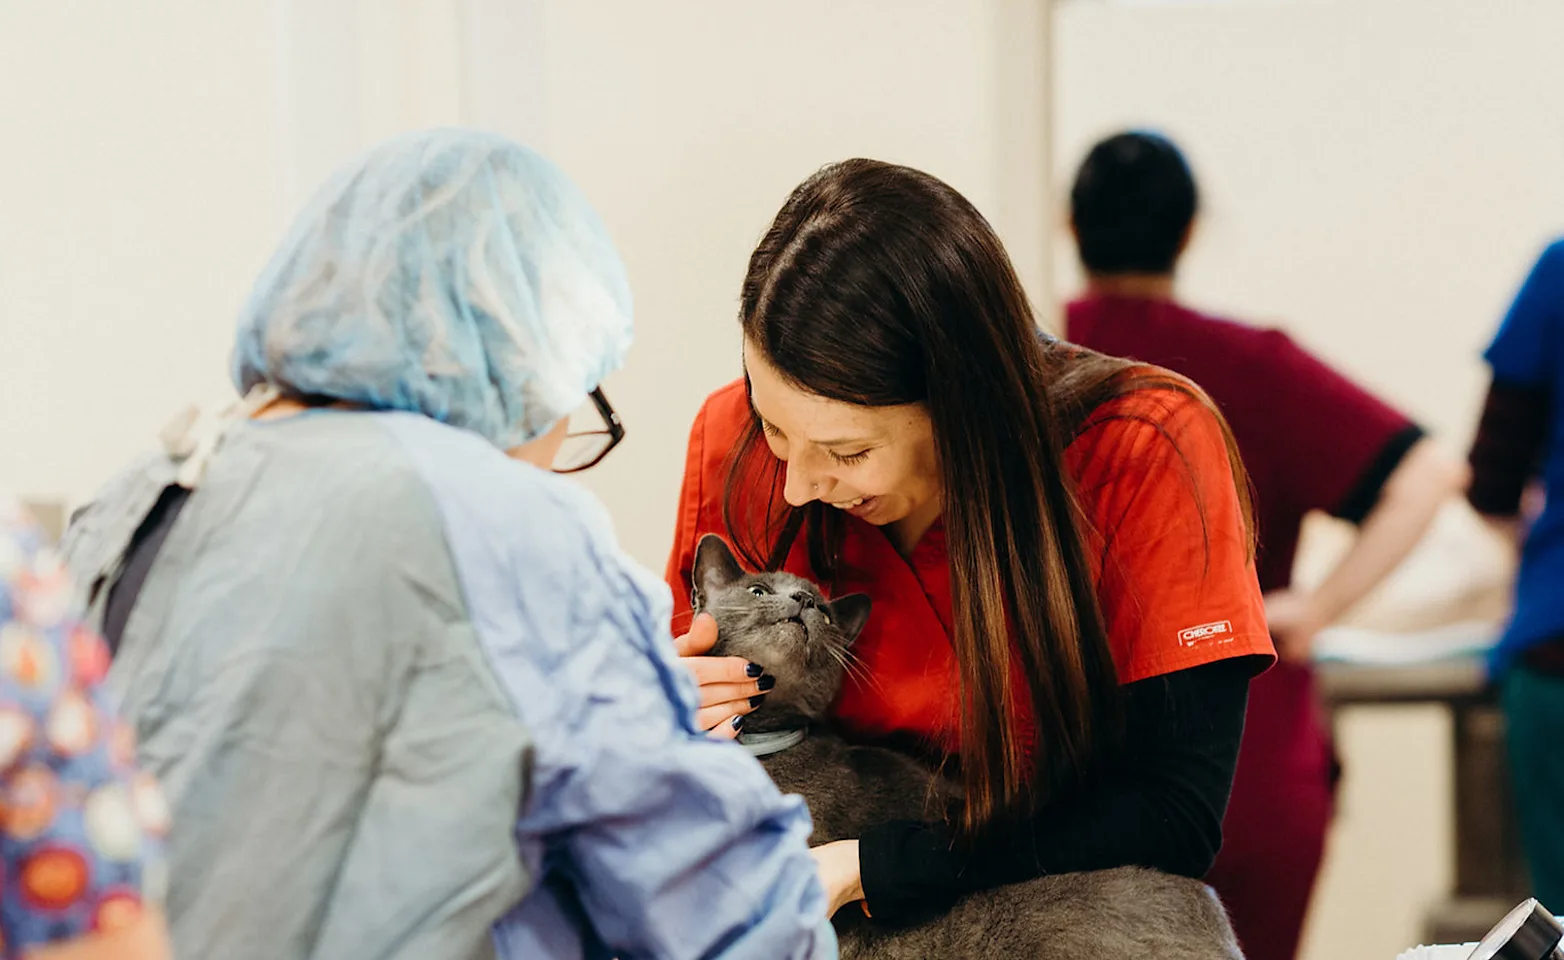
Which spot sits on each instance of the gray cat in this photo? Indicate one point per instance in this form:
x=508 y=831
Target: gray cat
x=787 y=626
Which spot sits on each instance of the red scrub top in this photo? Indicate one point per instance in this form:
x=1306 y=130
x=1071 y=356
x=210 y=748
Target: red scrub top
x=1175 y=592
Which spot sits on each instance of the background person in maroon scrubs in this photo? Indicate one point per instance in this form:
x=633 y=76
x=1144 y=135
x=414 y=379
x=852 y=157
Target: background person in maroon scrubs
x=1312 y=440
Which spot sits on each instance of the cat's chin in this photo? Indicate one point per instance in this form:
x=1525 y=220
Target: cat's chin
x=792 y=631
x=780 y=641
x=762 y=657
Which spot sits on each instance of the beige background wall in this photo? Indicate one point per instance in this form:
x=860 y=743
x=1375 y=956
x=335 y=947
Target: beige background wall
x=159 y=154
x=689 y=123
x=1378 y=174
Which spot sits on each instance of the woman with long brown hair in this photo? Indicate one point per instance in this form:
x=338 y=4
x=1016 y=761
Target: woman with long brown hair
x=1057 y=544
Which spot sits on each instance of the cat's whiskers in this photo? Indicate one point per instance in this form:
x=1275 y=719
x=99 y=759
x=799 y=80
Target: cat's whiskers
x=851 y=666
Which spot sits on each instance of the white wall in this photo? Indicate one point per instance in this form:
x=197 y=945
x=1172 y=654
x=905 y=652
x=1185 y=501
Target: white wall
x=157 y=155
x=1378 y=174
x=139 y=193
x=688 y=123
x=1377 y=177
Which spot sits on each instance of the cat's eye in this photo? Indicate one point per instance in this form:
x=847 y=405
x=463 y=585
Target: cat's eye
x=756 y=590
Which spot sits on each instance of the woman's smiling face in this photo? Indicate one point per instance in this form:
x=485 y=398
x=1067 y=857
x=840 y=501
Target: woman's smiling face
x=877 y=463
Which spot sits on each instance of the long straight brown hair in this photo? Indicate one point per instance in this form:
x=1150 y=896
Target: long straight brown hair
x=879 y=285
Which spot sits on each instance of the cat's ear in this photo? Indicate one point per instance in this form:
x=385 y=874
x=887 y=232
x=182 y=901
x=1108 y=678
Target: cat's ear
x=715 y=566
x=850 y=613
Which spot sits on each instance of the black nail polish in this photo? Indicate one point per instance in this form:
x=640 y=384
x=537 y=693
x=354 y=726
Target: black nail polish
x=766 y=683
x=754 y=670
x=757 y=701
x=738 y=723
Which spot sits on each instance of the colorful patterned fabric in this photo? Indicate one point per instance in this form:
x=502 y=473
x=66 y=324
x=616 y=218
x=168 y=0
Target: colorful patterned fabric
x=80 y=828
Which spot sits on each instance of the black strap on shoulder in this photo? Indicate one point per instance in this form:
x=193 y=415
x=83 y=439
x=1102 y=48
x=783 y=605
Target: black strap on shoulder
x=144 y=547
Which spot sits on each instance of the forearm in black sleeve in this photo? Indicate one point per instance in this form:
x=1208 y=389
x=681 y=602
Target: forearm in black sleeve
x=1509 y=443
x=1161 y=806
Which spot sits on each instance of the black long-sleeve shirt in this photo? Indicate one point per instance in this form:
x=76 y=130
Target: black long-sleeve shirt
x=1508 y=448
x=1161 y=805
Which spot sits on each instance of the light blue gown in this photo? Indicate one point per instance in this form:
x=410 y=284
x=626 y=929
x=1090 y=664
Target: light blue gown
x=402 y=689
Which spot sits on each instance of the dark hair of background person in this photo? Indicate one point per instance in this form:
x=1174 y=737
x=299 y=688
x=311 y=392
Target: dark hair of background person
x=1132 y=204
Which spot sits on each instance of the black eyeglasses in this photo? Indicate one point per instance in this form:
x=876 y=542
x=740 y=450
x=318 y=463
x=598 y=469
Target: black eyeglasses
x=585 y=449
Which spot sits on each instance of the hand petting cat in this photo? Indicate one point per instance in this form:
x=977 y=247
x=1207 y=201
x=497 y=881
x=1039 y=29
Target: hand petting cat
x=730 y=687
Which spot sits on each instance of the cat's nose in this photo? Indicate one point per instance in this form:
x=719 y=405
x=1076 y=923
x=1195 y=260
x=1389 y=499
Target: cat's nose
x=805 y=601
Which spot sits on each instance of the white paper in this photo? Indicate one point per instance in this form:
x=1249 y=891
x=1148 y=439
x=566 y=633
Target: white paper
x=1356 y=645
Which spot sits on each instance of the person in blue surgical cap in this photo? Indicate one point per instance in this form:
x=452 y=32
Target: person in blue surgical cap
x=406 y=695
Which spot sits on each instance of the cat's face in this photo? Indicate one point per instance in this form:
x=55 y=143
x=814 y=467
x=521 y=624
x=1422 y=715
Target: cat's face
x=785 y=625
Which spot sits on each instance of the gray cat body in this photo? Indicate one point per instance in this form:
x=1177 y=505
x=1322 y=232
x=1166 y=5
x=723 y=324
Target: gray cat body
x=784 y=624
x=851 y=788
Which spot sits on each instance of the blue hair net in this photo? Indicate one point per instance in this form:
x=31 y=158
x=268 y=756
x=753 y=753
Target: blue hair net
x=451 y=273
